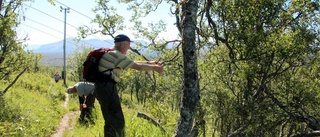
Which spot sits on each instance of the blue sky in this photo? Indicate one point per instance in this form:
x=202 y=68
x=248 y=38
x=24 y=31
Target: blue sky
x=44 y=23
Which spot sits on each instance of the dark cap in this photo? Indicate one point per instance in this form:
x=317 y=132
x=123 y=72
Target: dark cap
x=121 y=37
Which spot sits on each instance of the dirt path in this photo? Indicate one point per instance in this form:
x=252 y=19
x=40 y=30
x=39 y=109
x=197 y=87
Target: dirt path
x=68 y=120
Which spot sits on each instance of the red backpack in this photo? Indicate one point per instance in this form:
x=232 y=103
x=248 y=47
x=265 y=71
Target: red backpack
x=90 y=71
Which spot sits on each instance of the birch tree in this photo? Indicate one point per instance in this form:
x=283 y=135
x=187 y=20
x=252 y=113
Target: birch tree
x=14 y=60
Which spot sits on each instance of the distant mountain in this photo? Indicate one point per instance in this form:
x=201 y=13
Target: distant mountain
x=57 y=47
x=53 y=52
x=32 y=47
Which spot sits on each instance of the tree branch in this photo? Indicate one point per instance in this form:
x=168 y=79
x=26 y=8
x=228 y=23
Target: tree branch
x=144 y=116
x=14 y=81
x=310 y=134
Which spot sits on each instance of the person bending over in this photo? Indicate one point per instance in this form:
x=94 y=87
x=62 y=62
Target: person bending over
x=86 y=99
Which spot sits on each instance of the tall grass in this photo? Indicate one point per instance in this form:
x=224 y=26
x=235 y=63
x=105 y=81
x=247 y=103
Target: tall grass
x=134 y=127
x=34 y=107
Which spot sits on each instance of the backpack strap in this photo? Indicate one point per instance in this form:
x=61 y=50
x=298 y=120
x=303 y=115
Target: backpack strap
x=107 y=50
x=103 y=72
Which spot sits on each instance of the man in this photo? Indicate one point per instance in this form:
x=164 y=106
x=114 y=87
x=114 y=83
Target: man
x=112 y=64
x=57 y=77
x=86 y=99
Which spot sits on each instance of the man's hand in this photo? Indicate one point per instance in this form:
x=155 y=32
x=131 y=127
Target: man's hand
x=154 y=62
x=150 y=65
x=83 y=106
x=159 y=68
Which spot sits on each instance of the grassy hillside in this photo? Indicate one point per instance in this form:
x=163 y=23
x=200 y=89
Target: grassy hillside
x=34 y=107
x=52 y=59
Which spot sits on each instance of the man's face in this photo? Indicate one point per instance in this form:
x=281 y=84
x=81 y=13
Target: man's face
x=125 y=47
x=73 y=90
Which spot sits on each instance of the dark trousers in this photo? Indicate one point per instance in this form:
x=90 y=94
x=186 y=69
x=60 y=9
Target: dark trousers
x=86 y=113
x=107 y=95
